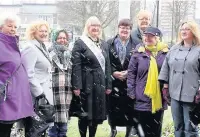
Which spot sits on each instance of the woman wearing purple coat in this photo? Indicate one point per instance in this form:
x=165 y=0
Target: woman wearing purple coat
x=15 y=95
x=142 y=82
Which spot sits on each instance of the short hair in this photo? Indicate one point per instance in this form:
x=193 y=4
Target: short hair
x=144 y=13
x=125 y=22
x=34 y=27
x=91 y=20
x=60 y=31
x=194 y=29
x=9 y=16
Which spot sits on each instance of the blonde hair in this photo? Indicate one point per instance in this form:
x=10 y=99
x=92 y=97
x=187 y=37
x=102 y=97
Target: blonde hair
x=30 y=31
x=144 y=13
x=92 y=20
x=194 y=28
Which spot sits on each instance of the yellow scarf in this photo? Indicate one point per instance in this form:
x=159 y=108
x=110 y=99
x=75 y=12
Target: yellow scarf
x=152 y=88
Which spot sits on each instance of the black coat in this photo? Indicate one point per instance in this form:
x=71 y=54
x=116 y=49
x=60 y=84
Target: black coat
x=136 y=36
x=88 y=76
x=119 y=105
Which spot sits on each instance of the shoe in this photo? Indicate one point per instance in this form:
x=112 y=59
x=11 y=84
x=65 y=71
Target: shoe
x=113 y=133
x=131 y=131
x=36 y=128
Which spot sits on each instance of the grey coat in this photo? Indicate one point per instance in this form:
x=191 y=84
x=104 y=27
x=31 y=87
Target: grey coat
x=38 y=69
x=181 y=69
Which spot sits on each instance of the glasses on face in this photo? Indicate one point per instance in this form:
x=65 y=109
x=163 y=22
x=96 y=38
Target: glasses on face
x=124 y=28
x=144 y=18
x=185 y=29
x=95 y=25
x=64 y=38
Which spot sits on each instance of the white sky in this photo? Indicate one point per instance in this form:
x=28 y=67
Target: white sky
x=18 y=1
x=123 y=4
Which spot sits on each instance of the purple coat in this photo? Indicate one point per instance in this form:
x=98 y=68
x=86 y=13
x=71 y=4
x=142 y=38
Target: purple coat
x=137 y=77
x=18 y=103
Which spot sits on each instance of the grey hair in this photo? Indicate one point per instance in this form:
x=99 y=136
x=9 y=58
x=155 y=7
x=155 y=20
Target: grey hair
x=9 y=16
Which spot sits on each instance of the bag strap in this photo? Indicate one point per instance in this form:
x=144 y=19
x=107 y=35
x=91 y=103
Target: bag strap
x=4 y=86
x=44 y=54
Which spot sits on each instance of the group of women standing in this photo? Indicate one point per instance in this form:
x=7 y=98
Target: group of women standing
x=131 y=78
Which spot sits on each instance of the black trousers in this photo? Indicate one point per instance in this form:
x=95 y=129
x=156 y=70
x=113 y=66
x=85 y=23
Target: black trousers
x=83 y=123
x=5 y=130
x=151 y=123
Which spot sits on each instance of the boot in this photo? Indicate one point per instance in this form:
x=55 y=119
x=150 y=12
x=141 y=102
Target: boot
x=113 y=132
x=130 y=131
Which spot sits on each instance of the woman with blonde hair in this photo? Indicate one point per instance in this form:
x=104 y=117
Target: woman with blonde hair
x=91 y=76
x=38 y=66
x=180 y=74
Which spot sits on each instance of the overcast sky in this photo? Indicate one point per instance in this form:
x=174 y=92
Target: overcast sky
x=123 y=4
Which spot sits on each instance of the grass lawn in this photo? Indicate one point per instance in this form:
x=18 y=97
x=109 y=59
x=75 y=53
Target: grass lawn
x=104 y=129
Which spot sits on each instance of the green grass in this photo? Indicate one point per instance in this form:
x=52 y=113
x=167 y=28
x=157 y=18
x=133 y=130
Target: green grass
x=104 y=129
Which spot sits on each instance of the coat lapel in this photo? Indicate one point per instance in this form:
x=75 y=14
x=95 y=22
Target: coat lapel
x=45 y=53
x=113 y=51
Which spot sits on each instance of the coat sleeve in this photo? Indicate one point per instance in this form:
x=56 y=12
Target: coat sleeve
x=112 y=65
x=131 y=77
x=30 y=59
x=76 y=66
x=164 y=72
x=108 y=69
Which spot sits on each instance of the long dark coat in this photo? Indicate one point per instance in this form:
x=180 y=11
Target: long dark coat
x=119 y=105
x=88 y=76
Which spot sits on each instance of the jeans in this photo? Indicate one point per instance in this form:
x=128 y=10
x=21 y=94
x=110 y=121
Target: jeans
x=58 y=130
x=182 y=122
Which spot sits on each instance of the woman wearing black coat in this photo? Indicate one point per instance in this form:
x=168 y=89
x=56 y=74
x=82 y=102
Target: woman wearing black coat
x=120 y=51
x=91 y=76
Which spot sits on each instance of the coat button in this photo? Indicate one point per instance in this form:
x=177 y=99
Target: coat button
x=174 y=71
x=183 y=72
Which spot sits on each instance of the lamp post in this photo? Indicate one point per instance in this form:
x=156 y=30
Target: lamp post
x=172 y=34
x=157 y=17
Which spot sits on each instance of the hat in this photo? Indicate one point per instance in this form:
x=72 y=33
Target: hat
x=154 y=31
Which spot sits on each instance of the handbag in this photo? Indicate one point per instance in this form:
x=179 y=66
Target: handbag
x=44 y=109
x=3 y=87
x=76 y=108
x=195 y=114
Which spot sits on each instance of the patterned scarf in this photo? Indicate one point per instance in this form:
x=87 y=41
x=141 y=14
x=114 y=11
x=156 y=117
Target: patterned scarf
x=121 y=49
x=62 y=52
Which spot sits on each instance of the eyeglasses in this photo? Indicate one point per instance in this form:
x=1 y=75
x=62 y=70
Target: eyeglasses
x=95 y=25
x=62 y=38
x=125 y=28
x=185 y=29
x=144 y=18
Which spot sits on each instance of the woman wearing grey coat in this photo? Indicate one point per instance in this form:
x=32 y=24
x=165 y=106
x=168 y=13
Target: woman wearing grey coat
x=38 y=66
x=180 y=74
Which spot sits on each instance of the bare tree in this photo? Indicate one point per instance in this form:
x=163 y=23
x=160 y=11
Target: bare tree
x=75 y=13
x=180 y=12
x=135 y=7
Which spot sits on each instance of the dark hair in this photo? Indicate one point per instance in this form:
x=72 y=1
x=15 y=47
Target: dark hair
x=60 y=31
x=125 y=22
